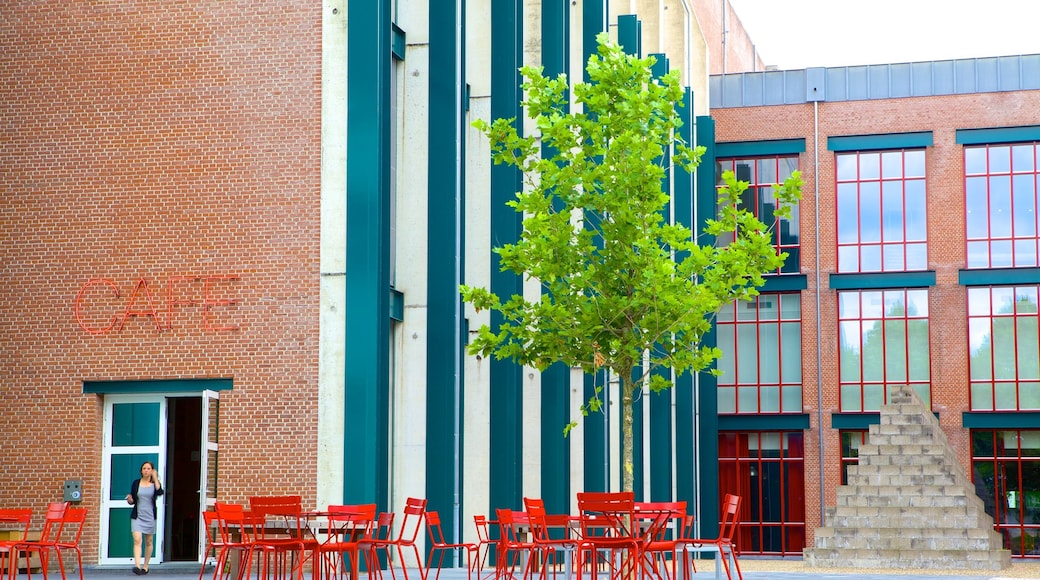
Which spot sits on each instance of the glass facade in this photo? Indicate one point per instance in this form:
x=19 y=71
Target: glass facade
x=1006 y=473
x=1000 y=185
x=762 y=174
x=883 y=338
x=767 y=470
x=761 y=362
x=882 y=222
x=1003 y=347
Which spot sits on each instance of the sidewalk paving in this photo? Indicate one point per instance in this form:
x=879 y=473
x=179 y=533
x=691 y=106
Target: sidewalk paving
x=754 y=569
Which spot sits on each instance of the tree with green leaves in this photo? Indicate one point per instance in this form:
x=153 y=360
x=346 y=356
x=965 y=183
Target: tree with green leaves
x=623 y=289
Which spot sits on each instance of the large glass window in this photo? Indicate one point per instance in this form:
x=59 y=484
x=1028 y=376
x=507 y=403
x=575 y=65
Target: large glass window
x=882 y=224
x=761 y=362
x=1006 y=472
x=767 y=471
x=883 y=342
x=1000 y=185
x=762 y=174
x=1003 y=344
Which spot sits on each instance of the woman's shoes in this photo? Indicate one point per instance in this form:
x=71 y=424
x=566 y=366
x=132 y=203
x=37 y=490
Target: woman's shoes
x=137 y=571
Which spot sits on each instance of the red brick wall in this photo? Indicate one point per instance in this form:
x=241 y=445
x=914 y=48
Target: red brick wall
x=946 y=247
x=147 y=139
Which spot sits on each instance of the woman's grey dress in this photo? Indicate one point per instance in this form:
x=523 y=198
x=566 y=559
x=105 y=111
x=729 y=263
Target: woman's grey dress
x=145 y=522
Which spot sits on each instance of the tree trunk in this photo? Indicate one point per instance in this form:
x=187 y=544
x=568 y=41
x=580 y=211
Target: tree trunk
x=627 y=466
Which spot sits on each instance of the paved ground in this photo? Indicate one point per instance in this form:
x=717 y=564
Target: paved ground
x=754 y=569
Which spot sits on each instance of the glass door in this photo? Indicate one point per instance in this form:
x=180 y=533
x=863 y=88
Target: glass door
x=135 y=432
x=210 y=449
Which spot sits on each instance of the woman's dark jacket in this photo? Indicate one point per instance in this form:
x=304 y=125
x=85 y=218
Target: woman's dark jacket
x=136 y=485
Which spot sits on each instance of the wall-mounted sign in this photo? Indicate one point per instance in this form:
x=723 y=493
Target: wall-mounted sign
x=103 y=295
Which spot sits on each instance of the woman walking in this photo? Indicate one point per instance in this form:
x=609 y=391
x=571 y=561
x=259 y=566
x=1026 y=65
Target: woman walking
x=143 y=493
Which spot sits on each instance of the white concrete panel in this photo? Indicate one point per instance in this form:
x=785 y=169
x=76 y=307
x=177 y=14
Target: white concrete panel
x=413 y=17
x=409 y=401
x=331 y=391
x=334 y=137
x=477 y=419
x=332 y=287
x=478 y=49
x=576 y=438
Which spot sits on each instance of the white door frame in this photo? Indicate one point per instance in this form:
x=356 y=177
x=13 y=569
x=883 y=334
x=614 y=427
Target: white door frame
x=111 y=489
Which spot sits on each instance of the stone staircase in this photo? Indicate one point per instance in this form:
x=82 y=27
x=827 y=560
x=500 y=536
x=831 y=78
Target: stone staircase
x=909 y=503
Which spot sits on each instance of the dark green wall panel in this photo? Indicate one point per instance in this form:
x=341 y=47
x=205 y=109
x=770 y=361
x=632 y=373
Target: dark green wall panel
x=506 y=413
x=367 y=347
x=444 y=339
x=708 y=426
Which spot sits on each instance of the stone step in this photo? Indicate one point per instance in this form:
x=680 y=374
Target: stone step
x=937 y=538
x=903 y=518
x=907 y=559
x=883 y=478
x=906 y=491
x=938 y=500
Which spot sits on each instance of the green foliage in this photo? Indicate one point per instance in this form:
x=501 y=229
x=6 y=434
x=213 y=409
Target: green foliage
x=622 y=286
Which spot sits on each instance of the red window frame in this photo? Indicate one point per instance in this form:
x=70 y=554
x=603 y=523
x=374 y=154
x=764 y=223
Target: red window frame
x=784 y=240
x=731 y=383
x=988 y=306
x=744 y=471
x=896 y=245
x=1006 y=235
x=879 y=325
x=1007 y=480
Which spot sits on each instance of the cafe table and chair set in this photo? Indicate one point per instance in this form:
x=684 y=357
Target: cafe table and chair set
x=612 y=536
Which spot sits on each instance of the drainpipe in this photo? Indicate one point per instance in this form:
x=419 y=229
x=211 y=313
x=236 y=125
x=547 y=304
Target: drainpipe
x=819 y=345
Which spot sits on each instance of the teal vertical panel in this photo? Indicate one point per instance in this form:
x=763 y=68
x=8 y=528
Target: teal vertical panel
x=555 y=399
x=707 y=397
x=367 y=348
x=506 y=413
x=444 y=314
x=597 y=441
x=685 y=484
x=660 y=444
x=628 y=33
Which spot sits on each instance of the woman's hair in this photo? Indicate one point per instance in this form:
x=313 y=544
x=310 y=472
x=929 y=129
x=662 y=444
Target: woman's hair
x=152 y=465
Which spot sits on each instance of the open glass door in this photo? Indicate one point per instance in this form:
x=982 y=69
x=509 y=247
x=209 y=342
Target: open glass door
x=135 y=432
x=210 y=451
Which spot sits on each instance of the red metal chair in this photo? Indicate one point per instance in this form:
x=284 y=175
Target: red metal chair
x=544 y=545
x=52 y=524
x=654 y=518
x=349 y=527
x=722 y=546
x=18 y=521
x=438 y=543
x=237 y=533
x=414 y=511
x=606 y=536
x=484 y=542
x=381 y=539
x=511 y=549
x=280 y=542
x=75 y=518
